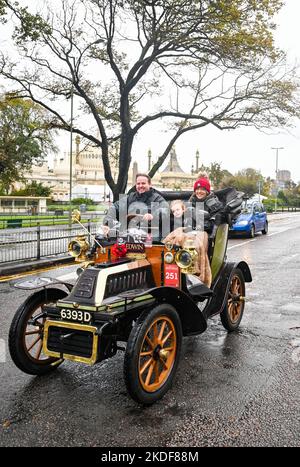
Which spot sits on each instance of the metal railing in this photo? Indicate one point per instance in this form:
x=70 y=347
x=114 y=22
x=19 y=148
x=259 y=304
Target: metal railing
x=19 y=221
x=36 y=243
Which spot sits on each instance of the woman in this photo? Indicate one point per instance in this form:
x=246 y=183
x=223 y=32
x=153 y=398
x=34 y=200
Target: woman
x=202 y=194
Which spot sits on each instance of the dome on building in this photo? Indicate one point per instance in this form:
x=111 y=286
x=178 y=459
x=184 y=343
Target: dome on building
x=173 y=164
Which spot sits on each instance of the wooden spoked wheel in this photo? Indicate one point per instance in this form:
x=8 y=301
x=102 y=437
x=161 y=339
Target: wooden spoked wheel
x=236 y=298
x=157 y=353
x=26 y=334
x=152 y=353
x=33 y=336
x=232 y=313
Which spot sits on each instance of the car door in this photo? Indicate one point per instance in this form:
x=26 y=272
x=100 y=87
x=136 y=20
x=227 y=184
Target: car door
x=260 y=216
x=257 y=217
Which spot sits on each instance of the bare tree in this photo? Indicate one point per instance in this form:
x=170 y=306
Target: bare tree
x=126 y=61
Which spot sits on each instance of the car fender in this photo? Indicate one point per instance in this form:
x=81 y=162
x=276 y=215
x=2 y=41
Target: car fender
x=39 y=283
x=192 y=319
x=221 y=285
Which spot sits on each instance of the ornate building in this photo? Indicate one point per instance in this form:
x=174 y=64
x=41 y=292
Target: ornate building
x=88 y=176
x=174 y=177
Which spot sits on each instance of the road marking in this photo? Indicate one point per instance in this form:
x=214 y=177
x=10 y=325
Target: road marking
x=2 y=351
x=243 y=243
x=254 y=239
x=33 y=272
x=276 y=233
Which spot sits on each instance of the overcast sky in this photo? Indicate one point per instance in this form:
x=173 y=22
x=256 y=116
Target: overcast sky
x=237 y=149
x=247 y=147
x=241 y=148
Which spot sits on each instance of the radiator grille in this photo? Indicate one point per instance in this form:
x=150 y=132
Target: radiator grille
x=75 y=342
x=126 y=280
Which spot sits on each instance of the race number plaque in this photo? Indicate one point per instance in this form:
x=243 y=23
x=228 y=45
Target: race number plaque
x=172 y=275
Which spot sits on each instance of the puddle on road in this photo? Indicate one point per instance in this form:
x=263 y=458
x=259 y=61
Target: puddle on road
x=291 y=307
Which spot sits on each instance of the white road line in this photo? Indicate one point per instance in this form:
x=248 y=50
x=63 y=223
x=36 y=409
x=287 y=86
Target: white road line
x=283 y=230
x=243 y=243
x=254 y=239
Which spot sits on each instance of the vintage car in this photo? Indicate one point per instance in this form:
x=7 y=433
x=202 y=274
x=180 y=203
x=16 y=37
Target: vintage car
x=138 y=299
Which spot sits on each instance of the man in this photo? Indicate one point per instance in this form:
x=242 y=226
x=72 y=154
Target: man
x=142 y=202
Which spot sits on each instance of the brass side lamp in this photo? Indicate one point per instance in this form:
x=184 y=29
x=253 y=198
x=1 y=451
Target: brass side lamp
x=78 y=248
x=187 y=258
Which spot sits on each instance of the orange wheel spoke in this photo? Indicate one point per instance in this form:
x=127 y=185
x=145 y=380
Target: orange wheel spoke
x=156 y=371
x=39 y=351
x=167 y=337
x=34 y=343
x=146 y=365
x=162 y=329
x=155 y=333
x=149 y=342
x=29 y=333
x=150 y=371
x=144 y=354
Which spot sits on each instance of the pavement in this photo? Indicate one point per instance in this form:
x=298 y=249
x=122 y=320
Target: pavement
x=7 y=270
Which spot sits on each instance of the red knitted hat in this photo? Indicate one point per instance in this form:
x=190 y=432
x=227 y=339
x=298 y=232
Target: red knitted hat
x=202 y=183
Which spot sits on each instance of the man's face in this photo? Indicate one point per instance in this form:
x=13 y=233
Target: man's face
x=142 y=185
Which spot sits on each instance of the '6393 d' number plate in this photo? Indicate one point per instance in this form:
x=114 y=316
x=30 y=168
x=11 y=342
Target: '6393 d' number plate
x=75 y=315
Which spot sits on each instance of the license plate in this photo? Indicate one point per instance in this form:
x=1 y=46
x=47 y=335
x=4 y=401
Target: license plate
x=75 y=315
x=172 y=278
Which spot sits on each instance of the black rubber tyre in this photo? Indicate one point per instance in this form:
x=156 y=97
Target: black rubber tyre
x=232 y=313
x=265 y=230
x=24 y=338
x=252 y=232
x=152 y=354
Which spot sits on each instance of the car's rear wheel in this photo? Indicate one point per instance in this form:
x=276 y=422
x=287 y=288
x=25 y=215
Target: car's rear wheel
x=232 y=313
x=152 y=354
x=26 y=334
x=266 y=228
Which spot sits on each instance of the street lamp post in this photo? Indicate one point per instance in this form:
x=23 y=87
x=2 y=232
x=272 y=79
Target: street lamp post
x=276 y=171
x=71 y=158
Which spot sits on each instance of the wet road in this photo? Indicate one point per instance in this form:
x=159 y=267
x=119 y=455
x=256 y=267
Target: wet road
x=238 y=389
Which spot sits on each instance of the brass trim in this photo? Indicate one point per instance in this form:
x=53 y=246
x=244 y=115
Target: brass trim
x=76 y=326
x=81 y=307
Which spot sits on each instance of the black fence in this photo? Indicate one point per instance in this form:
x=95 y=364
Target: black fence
x=36 y=243
x=59 y=218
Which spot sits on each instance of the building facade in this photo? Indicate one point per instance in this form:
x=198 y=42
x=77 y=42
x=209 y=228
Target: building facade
x=88 y=179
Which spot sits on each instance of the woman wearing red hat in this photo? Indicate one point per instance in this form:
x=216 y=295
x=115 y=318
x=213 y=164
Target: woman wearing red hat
x=202 y=194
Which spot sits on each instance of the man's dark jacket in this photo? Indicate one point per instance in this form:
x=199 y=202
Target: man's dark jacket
x=132 y=203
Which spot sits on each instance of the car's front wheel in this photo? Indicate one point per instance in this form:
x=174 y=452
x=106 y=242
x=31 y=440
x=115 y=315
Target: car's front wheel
x=252 y=231
x=26 y=334
x=152 y=354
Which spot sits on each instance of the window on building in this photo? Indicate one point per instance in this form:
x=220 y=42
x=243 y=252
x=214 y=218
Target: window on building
x=19 y=202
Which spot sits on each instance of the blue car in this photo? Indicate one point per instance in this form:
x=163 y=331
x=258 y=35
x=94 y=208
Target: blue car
x=252 y=219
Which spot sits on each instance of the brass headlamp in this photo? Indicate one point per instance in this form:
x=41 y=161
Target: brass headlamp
x=187 y=258
x=78 y=248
